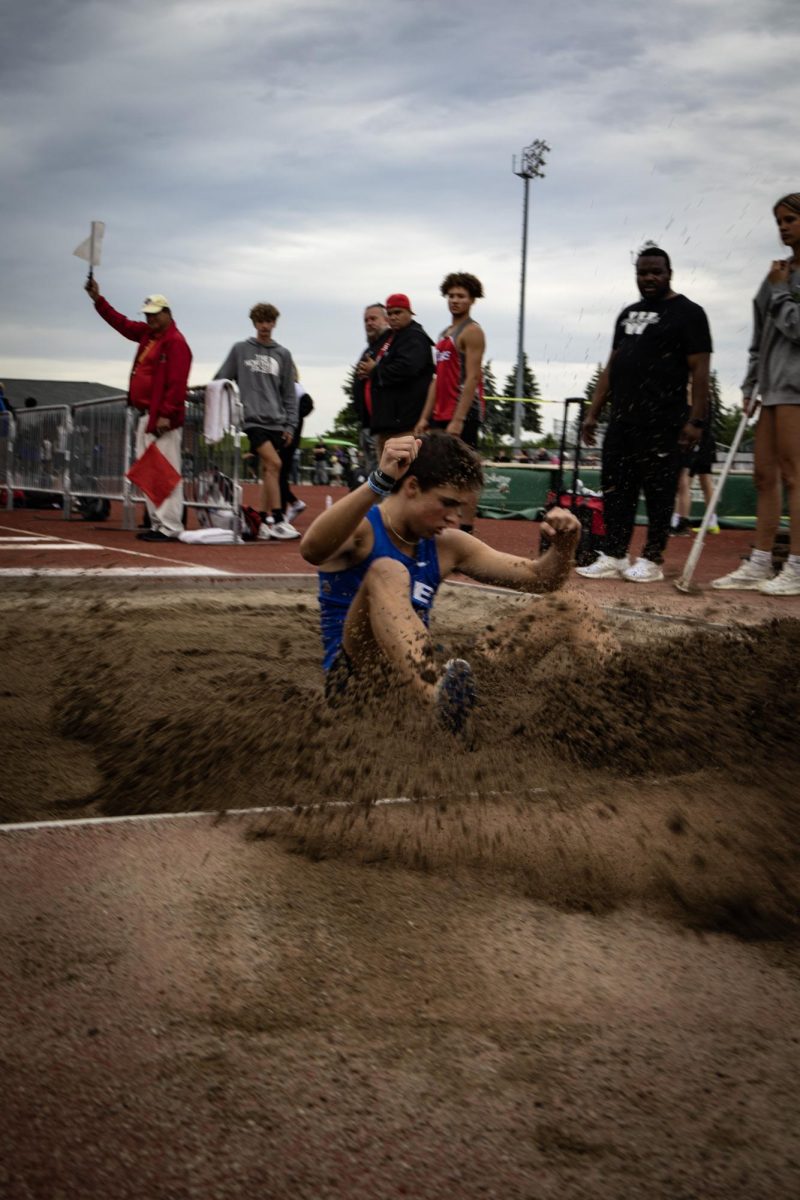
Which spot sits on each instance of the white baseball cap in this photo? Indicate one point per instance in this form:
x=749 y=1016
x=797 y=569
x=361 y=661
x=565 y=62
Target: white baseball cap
x=154 y=304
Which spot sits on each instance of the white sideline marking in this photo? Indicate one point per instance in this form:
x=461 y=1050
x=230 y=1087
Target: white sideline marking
x=111 y=549
x=48 y=545
x=220 y=814
x=68 y=544
x=33 y=537
x=127 y=572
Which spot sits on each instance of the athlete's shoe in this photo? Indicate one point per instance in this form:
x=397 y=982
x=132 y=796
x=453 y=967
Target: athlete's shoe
x=282 y=531
x=643 y=571
x=455 y=695
x=785 y=583
x=747 y=577
x=294 y=509
x=604 y=567
x=711 y=529
x=265 y=530
x=155 y=535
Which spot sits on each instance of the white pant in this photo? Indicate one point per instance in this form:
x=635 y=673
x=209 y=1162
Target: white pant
x=168 y=517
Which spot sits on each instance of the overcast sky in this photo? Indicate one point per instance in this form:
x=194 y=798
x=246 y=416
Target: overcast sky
x=319 y=154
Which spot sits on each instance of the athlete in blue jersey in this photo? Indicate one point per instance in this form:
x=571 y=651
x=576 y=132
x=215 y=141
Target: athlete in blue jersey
x=380 y=567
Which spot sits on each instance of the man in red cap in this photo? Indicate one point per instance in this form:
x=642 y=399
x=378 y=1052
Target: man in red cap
x=399 y=374
x=157 y=389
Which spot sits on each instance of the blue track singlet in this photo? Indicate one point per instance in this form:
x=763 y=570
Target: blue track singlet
x=337 y=589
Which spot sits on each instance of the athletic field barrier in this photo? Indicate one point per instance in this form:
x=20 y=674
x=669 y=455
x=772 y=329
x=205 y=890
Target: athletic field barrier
x=519 y=490
x=79 y=455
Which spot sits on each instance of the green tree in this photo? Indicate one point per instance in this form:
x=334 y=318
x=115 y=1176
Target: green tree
x=593 y=382
x=531 y=416
x=489 y=381
x=492 y=425
x=500 y=416
x=727 y=424
x=345 y=423
x=725 y=421
x=715 y=408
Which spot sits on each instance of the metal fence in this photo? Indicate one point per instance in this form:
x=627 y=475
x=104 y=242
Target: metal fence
x=211 y=473
x=99 y=452
x=82 y=453
x=35 y=451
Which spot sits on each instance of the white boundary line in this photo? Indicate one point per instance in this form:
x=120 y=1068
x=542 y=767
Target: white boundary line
x=113 y=549
x=110 y=572
x=217 y=815
x=49 y=545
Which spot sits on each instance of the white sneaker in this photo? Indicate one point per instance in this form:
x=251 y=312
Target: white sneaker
x=283 y=531
x=604 y=567
x=785 y=583
x=294 y=509
x=747 y=577
x=643 y=571
x=263 y=534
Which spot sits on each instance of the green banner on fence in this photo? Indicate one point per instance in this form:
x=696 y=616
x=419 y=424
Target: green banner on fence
x=521 y=492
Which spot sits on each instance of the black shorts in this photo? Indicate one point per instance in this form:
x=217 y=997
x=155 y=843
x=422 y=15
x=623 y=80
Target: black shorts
x=257 y=437
x=469 y=433
x=700 y=459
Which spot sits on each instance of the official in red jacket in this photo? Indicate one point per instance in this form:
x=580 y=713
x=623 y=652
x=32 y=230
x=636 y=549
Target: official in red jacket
x=157 y=389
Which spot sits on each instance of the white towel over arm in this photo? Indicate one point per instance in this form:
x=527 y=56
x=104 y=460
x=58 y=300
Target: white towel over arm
x=222 y=409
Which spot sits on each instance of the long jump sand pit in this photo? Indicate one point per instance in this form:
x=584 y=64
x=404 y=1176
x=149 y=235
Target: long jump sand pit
x=566 y=966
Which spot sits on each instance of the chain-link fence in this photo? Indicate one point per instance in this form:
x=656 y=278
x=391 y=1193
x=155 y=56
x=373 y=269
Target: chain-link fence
x=82 y=453
x=211 y=472
x=35 y=452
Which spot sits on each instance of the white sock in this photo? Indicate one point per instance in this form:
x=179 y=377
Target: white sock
x=761 y=558
x=676 y=520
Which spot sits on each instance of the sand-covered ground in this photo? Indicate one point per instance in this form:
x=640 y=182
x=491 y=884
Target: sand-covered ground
x=568 y=967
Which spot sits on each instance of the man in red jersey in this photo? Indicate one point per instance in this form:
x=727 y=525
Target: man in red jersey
x=455 y=396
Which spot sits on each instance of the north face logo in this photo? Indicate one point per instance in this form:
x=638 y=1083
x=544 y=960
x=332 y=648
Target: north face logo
x=637 y=322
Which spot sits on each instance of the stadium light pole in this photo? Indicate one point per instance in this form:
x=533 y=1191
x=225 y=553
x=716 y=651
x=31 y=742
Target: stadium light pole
x=532 y=161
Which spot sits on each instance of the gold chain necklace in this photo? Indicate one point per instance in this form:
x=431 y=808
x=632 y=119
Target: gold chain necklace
x=396 y=534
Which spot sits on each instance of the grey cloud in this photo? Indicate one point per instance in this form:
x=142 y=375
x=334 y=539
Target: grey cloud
x=244 y=149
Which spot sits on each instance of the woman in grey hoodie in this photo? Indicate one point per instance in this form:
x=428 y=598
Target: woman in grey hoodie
x=773 y=378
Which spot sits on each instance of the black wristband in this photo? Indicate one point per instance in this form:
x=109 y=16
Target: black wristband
x=696 y=423
x=383 y=480
x=375 y=483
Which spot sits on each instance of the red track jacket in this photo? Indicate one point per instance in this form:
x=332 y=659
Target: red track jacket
x=170 y=371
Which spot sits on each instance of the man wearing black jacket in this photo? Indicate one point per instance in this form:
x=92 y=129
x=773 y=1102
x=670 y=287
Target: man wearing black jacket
x=377 y=330
x=399 y=374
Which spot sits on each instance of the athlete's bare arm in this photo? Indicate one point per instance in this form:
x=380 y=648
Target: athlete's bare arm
x=471 y=343
x=425 y=416
x=460 y=552
x=341 y=535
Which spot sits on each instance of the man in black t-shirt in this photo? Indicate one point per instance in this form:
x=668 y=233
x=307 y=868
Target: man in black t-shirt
x=662 y=346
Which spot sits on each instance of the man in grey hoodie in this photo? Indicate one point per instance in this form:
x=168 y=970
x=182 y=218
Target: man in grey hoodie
x=265 y=375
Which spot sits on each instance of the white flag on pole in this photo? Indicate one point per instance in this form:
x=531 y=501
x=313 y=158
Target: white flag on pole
x=90 y=250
